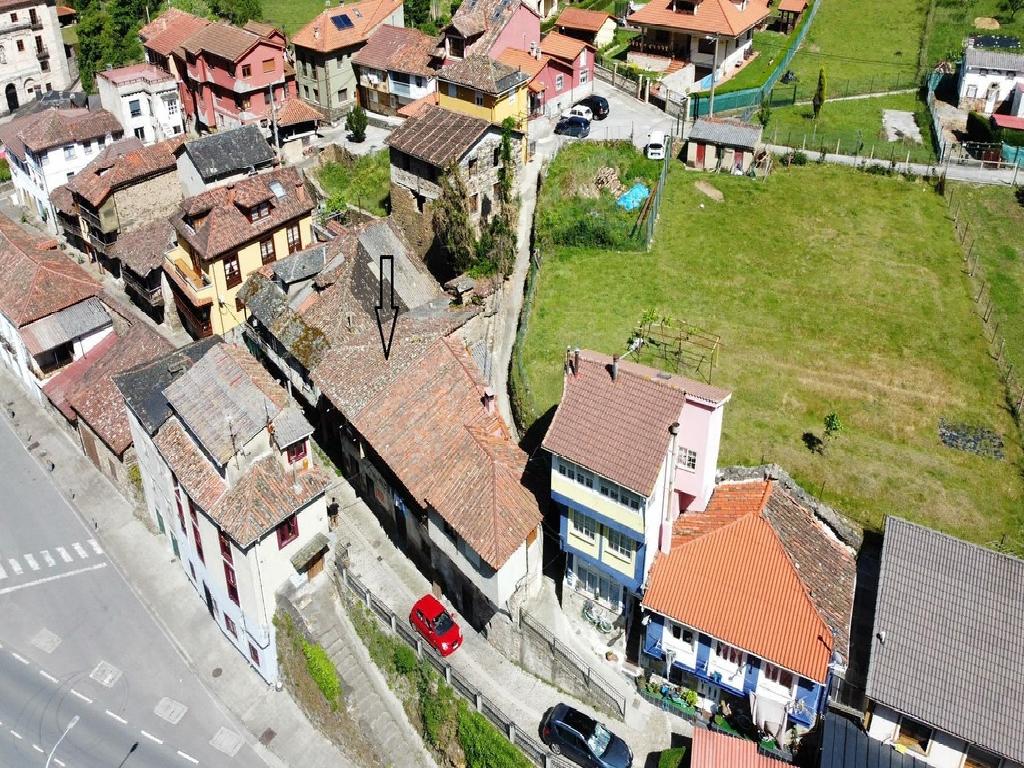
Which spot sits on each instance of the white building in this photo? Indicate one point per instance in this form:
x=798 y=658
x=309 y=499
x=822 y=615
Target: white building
x=32 y=57
x=228 y=477
x=50 y=315
x=987 y=79
x=144 y=99
x=47 y=148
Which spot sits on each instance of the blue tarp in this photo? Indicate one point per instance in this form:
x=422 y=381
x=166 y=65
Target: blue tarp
x=634 y=197
x=1013 y=155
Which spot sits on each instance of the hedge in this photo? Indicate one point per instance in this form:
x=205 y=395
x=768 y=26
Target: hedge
x=484 y=746
x=671 y=758
x=322 y=670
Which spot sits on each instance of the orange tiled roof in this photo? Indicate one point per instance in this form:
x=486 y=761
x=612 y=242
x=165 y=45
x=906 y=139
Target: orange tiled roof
x=580 y=18
x=791 y=601
x=792 y=5
x=322 y=34
x=295 y=111
x=223 y=40
x=562 y=46
x=717 y=750
x=720 y=16
x=415 y=108
x=169 y=30
x=523 y=61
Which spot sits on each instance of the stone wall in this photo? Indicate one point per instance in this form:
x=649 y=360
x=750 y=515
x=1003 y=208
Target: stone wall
x=152 y=199
x=416 y=225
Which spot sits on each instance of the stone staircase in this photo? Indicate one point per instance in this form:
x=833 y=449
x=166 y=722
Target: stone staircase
x=367 y=695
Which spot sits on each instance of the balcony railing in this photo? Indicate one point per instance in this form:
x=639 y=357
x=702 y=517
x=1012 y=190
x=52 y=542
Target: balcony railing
x=196 y=281
x=669 y=50
x=42 y=52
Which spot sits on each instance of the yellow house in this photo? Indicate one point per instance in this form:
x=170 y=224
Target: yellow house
x=482 y=87
x=227 y=233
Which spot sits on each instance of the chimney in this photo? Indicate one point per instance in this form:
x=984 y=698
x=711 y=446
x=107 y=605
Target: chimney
x=615 y=367
x=576 y=362
x=488 y=400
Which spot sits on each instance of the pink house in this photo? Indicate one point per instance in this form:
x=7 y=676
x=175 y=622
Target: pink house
x=550 y=83
x=489 y=27
x=578 y=56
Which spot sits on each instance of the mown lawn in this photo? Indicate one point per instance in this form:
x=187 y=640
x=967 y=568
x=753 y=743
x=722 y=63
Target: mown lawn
x=954 y=21
x=865 y=46
x=291 y=15
x=770 y=47
x=366 y=183
x=832 y=290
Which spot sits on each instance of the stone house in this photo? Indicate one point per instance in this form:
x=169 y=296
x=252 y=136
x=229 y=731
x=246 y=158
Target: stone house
x=396 y=67
x=140 y=254
x=33 y=60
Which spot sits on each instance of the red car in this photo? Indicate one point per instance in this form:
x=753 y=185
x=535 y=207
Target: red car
x=437 y=627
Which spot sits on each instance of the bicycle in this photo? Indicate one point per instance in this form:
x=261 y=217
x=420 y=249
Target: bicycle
x=594 y=617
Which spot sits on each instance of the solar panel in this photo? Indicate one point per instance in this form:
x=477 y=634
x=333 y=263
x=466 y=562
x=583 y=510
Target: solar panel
x=342 y=21
x=277 y=189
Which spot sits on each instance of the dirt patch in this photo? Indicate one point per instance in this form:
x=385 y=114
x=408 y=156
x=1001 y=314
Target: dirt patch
x=706 y=189
x=985 y=22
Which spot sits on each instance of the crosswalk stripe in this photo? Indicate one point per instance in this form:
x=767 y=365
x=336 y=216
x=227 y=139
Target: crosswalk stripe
x=31 y=562
x=79 y=550
x=15 y=566
x=95 y=547
x=48 y=558
x=64 y=554
x=3 y=573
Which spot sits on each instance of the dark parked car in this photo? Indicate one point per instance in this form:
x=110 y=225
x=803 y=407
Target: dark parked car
x=598 y=105
x=583 y=740
x=573 y=126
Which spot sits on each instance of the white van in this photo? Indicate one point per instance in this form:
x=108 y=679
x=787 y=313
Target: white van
x=655 y=149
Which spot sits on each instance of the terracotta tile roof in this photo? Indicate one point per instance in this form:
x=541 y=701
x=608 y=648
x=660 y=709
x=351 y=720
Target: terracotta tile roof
x=398 y=49
x=63 y=200
x=223 y=40
x=793 y=5
x=63 y=10
x=142 y=250
x=619 y=429
x=148 y=72
x=96 y=398
x=438 y=136
x=486 y=19
x=482 y=73
x=431 y=428
x=122 y=164
x=582 y=19
x=717 y=750
x=38 y=279
x=193 y=470
x=325 y=34
x=416 y=108
x=261 y=28
x=54 y=127
x=523 y=61
x=226 y=227
x=295 y=111
x=58 y=388
x=169 y=30
x=710 y=16
x=801 y=620
x=563 y=47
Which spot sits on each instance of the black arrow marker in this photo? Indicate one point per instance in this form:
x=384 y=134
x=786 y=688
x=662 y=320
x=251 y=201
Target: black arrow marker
x=386 y=344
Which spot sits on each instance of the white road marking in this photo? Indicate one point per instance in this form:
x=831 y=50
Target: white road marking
x=188 y=757
x=15 y=734
x=3 y=573
x=121 y=720
x=15 y=566
x=151 y=737
x=64 y=554
x=95 y=547
x=48 y=559
x=83 y=697
x=79 y=550
x=59 y=762
x=38 y=749
x=31 y=562
x=49 y=677
x=19 y=657
x=37 y=582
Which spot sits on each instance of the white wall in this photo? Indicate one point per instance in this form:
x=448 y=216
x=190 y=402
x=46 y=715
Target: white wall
x=944 y=750
x=157 y=486
x=1005 y=82
x=191 y=181
x=18 y=358
x=23 y=68
x=161 y=114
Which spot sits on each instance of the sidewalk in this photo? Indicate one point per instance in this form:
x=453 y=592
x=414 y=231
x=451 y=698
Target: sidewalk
x=153 y=575
x=384 y=570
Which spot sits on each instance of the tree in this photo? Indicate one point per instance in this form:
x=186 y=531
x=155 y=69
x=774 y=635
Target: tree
x=237 y=11
x=833 y=426
x=356 y=123
x=764 y=112
x=417 y=13
x=452 y=225
x=820 y=93
x=200 y=8
x=503 y=225
x=1012 y=6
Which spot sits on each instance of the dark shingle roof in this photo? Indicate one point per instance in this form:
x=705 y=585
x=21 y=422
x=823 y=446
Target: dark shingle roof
x=229 y=152
x=142 y=250
x=438 y=136
x=482 y=73
x=949 y=637
x=1004 y=60
x=730 y=133
x=61 y=327
x=301 y=265
x=845 y=745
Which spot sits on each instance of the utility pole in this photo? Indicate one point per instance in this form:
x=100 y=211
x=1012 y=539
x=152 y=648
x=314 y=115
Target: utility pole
x=714 y=68
x=273 y=116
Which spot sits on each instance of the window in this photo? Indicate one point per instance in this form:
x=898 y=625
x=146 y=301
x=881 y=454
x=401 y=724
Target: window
x=730 y=654
x=682 y=634
x=239 y=304
x=71 y=175
x=914 y=735
x=296 y=451
x=229 y=578
x=267 y=253
x=14 y=17
x=232 y=275
x=135 y=107
x=343 y=94
x=44 y=65
x=21 y=43
x=582 y=525
x=584 y=72
x=69 y=152
x=609 y=490
x=294 y=238
x=172 y=106
x=229 y=625
x=305 y=90
x=140 y=133
x=496 y=156
x=258 y=212
x=472 y=166
x=316 y=95
x=254 y=654
x=199 y=543
x=478 y=99
x=619 y=544
x=706 y=46
x=246 y=70
x=453 y=90
x=980 y=758
x=688 y=459
x=225 y=547
x=268 y=65
x=778 y=676
x=598 y=586
x=972 y=91
x=287 y=532
x=559 y=83
x=192 y=570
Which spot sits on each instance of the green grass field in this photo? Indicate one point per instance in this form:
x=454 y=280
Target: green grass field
x=954 y=21
x=865 y=46
x=831 y=289
x=770 y=47
x=366 y=183
x=291 y=15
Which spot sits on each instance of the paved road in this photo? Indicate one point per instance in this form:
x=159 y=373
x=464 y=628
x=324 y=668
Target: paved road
x=76 y=641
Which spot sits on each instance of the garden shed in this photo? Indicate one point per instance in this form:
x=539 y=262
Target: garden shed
x=722 y=145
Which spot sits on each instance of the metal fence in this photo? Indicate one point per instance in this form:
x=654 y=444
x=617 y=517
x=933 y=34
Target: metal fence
x=852 y=143
x=654 y=206
x=396 y=625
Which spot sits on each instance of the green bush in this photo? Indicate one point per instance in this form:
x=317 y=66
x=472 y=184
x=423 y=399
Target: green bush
x=483 y=745
x=438 y=708
x=979 y=129
x=322 y=670
x=405 y=659
x=5 y=171
x=671 y=758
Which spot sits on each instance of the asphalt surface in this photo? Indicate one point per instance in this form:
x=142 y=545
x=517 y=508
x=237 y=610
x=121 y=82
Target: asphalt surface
x=75 y=641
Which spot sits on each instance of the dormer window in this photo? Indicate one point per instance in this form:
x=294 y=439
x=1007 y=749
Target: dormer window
x=197 y=221
x=685 y=6
x=296 y=451
x=456 y=47
x=260 y=211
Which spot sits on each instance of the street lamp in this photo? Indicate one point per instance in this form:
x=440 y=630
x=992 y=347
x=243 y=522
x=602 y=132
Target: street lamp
x=49 y=757
x=714 y=67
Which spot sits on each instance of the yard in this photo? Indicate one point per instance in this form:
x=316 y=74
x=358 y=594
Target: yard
x=955 y=21
x=770 y=47
x=832 y=289
x=364 y=182
x=291 y=15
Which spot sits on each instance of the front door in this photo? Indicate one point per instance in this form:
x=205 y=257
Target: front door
x=316 y=567
x=209 y=600
x=701 y=149
x=11 y=92
x=90 y=447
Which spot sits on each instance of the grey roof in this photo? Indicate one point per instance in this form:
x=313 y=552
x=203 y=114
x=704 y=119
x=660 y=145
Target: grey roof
x=981 y=59
x=269 y=304
x=63 y=326
x=301 y=265
x=845 y=745
x=949 y=637
x=228 y=152
x=143 y=387
x=301 y=559
x=290 y=426
x=730 y=133
x=413 y=285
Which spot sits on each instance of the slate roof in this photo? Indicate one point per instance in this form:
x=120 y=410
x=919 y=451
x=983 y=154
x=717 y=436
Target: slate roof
x=483 y=74
x=226 y=226
x=414 y=285
x=979 y=58
x=142 y=250
x=719 y=16
x=301 y=265
x=317 y=544
x=122 y=164
x=226 y=153
x=798 y=624
x=398 y=49
x=323 y=34
x=582 y=19
x=562 y=46
x=96 y=398
x=53 y=127
x=952 y=617
x=169 y=30
x=718 y=750
x=224 y=40
x=619 y=429
x=38 y=279
x=438 y=136
x=729 y=133
x=844 y=744
x=486 y=19
x=143 y=386
x=63 y=326
x=290 y=426
x=430 y=426
x=192 y=469
x=225 y=399
x=147 y=72
x=295 y=111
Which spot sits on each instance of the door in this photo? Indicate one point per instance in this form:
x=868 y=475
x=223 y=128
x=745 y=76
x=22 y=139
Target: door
x=174 y=546
x=316 y=568
x=90 y=448
x=701 y=150
x=209 y=600
x=160 y=522
x=11 y=92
